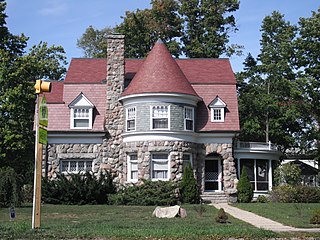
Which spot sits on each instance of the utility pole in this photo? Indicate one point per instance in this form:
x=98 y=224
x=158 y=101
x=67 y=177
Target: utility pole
x=40 y=87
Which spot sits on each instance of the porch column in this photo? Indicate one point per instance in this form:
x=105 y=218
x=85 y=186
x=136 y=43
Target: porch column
x=270 y=175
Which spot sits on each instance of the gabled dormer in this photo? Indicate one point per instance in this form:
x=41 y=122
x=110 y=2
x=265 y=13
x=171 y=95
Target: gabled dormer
x=217 y=109
x=81 y=112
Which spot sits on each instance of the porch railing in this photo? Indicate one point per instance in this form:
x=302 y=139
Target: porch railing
x=256 y=145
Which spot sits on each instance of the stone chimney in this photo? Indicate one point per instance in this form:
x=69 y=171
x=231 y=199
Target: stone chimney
x=114 y=121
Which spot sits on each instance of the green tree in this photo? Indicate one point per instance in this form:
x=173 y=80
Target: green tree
x=244 y=188
x=288 y=173
x=188 y=186
x=270 y=97
x=18 y=72
x=207 y=25
x=144 y=27
x=93 y=42
x=307 y=49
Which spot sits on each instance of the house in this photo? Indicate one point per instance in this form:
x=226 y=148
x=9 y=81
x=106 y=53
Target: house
x=147 y=118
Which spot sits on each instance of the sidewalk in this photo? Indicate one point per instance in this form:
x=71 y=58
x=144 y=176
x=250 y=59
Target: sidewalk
x=260 y=222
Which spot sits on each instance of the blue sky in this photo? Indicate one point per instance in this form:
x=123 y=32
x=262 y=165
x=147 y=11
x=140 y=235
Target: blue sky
x=62 y=22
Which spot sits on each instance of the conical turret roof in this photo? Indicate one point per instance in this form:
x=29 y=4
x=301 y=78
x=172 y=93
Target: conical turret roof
x=159 y=74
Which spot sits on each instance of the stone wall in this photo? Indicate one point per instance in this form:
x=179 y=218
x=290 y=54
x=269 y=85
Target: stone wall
x=114 y=121
x=58 y=152
x=144 y=149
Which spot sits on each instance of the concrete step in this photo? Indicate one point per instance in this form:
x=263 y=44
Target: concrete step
x=214 y=197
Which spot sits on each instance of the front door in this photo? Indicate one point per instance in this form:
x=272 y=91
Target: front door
x=213 y=175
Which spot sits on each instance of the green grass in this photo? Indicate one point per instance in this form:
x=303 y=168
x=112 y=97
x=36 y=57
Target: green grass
x=125 y=222
x=292 y=214
x=122 y=222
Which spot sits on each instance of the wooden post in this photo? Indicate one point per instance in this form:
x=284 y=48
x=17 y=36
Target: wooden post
x=37 y=172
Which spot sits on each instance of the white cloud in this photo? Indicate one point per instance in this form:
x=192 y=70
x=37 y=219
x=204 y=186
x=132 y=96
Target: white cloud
x=53 y=8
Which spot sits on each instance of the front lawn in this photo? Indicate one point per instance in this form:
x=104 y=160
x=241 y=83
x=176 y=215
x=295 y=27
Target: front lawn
x=122 y=222
x=292 y=214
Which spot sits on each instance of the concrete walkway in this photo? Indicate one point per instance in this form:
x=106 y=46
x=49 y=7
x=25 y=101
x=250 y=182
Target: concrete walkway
x=260 y=222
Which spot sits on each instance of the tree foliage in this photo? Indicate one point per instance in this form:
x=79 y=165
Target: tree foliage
x=188 y=186
x=272 y=105
x=288 y=173
x=18 y=72
x=244 y=188
x=195 y=28
x=207 y=25
x=92 y=42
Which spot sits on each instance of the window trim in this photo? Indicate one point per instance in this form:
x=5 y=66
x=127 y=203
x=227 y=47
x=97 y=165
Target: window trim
x=77 y=165
x=160 y=160
x=185 y=119
x=151 y=117
x=221 y=112
x=190 y=159
x=135 y=119
x=129 y=170
x=72 y=118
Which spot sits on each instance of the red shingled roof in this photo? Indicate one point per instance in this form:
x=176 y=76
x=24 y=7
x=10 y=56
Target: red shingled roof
x=86 y=70
x=56 y=94
x=159 y=74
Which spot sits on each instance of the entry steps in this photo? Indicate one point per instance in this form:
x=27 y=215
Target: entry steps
x=214 y=197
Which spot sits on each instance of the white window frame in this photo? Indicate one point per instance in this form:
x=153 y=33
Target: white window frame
x=167 y=160
x=130 y=163
x=81 y=103
x=128 y=118
x=152 y=118
x=188 y=119
x=73 y=118
x=217 y=105
x=84 y=161
x=213 y=114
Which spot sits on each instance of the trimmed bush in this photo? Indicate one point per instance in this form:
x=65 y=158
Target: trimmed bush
x=9 y=190
x=262 y=199
x=149 y=193
x=297 y=194
x=222 y=216
x=315 y=219
x=245 y=191
x=78 y=189
x=188 y=186
x=288 y=173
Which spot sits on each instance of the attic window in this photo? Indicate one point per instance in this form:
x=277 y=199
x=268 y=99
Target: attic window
x=81 y=112
x=217 y=108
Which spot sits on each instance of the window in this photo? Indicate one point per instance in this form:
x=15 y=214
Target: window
x=82 y=118
x=217 y=107
x=186 y=159
x=131 y=119
x=188 y=118
x=160 y=117
x=217 y=114
x=160 y=166
x=81 y=113
x=75 y=166
x=132 y=167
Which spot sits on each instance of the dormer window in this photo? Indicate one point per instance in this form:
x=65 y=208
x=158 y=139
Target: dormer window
x=81 y=113
x=217 y=108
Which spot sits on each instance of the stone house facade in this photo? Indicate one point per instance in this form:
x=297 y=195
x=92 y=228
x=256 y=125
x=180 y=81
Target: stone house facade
x=145 y=119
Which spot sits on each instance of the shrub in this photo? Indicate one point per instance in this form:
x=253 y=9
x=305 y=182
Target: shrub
x=297 y=194
x=78 y=189
x=288 y=173
x=9 y=190
x=262 y=199
x=188 y=186
x=222 y=216
x=149 y=193
x=245 y=191
x=27 y=193
x=315 y=219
